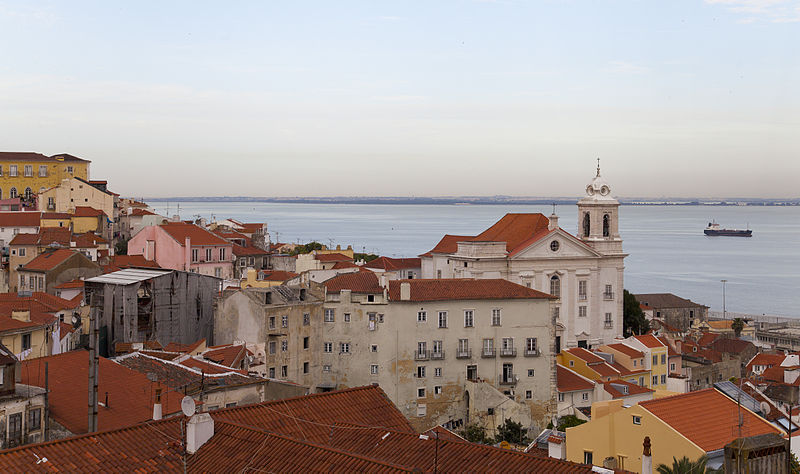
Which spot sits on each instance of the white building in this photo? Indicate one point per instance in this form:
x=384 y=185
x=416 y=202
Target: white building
x=584 y=272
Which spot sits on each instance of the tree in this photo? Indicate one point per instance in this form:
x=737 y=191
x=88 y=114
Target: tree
x=685 y=466
x=633 y=320
x=307 y=248
x=121 y=247
x=512 y=432
x=568 y=422
x=737 y=325
x=364 y=256
x=475 y=433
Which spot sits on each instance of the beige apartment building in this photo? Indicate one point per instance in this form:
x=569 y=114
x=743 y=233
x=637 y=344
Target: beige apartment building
x=447 y=352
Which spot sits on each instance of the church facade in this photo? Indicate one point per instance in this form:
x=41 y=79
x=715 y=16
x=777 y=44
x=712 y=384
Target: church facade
x=585 y=272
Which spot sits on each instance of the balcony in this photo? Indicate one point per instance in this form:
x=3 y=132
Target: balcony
x=488 y=353
x=508 y=379
x=608 y=325
x=463 y=353
x=508 y=352
x=608 y=296
x=532 y=353
x=421 y=355
x=437 y=355
x=582 y=297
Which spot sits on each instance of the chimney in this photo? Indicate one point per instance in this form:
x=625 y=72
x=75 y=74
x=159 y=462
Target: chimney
x=199 y=429
x=553 y=225
x=188 y=253
x=383 y=280
x=555 y=447
x=157 y=405
x=21 y=315
x=647 y=458
x=405 y=291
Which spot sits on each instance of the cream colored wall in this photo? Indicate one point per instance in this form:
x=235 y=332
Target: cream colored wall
x=86 y=224
x=72 y=192
x=56 y=222
x=614 y=435
x=251 y=281
x=39 y=345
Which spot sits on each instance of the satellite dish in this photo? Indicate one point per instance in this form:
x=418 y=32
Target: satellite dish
x=187 y=406
x=765 y=408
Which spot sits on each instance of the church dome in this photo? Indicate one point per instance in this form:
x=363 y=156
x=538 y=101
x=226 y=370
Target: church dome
x=598 y=188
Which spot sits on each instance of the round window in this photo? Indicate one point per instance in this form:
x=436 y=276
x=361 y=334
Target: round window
x=554 y=245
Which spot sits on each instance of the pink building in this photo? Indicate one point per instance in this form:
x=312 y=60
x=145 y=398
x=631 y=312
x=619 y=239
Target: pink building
x=183 y=246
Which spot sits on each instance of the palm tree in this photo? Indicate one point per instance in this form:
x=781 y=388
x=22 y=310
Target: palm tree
x=685 y=466
x=737 y=325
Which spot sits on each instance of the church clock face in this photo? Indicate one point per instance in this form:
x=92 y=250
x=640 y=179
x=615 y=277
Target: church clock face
x=554 y=245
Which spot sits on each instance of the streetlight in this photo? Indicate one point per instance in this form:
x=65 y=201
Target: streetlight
x=724 y=316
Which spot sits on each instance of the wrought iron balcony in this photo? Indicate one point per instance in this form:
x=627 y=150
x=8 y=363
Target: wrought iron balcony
x=508 y=352
x=608 y=296
x=463 y=353
x=532 y=353
x=508 y=379
x=421 y=355
x=437 y=355
x=488 y=353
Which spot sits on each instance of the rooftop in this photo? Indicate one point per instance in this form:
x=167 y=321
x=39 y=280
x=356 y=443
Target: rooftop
x=20 y=219
x=128 y=276
x=393 y=264
x=665 y=300
x=627 y=350
x=49 y=260
x=570 y=381
x=463 y=289
x=180 y=231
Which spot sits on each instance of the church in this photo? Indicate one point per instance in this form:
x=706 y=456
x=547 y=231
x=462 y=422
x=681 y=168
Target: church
x=584 y=272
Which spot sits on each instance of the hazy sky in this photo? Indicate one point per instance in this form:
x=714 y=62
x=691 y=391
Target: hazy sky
x=409 y=98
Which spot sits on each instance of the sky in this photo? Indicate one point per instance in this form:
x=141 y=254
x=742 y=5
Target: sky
x=409 y=98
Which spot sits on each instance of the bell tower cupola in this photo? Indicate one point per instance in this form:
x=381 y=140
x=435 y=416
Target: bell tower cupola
x=598 y=217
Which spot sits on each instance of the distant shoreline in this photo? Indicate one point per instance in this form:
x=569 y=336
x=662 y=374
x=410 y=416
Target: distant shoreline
x=481 y=200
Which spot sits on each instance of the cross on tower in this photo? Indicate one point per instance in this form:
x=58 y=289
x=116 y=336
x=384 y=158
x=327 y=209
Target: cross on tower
x=598 y=167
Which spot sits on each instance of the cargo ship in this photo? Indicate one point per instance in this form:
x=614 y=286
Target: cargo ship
x=713 y=229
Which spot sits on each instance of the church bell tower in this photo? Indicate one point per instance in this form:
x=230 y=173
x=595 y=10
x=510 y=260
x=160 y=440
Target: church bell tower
x=598 y=217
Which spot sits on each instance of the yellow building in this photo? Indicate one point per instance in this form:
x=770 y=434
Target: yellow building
x=56 y=219
x=691 y=425
x=724 y=327
x=73 y=192
x=87 y=219
x=596 y=368
x=269 y=278
x=27 y=336
x=25 y=174
x=629 y=361
x=656 y=358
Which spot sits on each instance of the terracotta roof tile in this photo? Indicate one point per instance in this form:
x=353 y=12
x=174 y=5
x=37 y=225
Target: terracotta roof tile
x=514 y=229
x=707 y=338
x=118 y=262
x=586 y=355
x=240 y=251
x=230 y=356
x=86 y=211
x=49 y=260
x=20 y=219
x=179 y=376
x=448 y=244
x=627 y=350
x=56 y=215
x=731 y=346
x=463 y=289
x=612 y=388
x=178 y=347
x=25 y=239
x=707 y=418
x=332 y=257
x=665 y=300
x=141 y=212
x=670 y=348
x=276 y=275
x=78 y=283
x=181 y=230
x=649 y=341
x=765 y=359
x=570 y=381
x=393 y=264
x=357 y=282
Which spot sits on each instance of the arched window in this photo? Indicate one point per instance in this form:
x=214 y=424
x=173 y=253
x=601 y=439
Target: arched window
x=13 y=193
x=555 y=286
x=586 y=224
x=606 y=221
x=28 y=194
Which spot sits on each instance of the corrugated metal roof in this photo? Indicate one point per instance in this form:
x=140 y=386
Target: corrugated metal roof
x=128 y=276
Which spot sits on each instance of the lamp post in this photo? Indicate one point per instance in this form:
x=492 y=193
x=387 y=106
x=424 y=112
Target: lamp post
x=724 y=312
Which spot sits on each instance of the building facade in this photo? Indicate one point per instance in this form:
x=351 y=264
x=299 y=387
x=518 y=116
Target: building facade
x=26 y=174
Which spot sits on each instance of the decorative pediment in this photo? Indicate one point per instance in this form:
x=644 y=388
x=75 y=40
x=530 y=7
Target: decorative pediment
x=556 y=244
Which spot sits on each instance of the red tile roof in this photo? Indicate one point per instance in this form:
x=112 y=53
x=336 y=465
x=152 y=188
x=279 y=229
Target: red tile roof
x=180 y=376
x=570 y=381
x=670 y=348
x=178 y=347
x=240 y=251
x=56 y=215
x=633 y=389
x=341 y=265
x=393 y=264
x=209 y=367
x=25 y=239
x=199 y=236
x=118 y=262
x=586 y=355
x=20 y=219
x=731 y=346
x=765 y=359
x=464 y=289
x=706 y=339
x=141 y=212
x=78 y=283
x=627 y=350
x=49 y=260
x=649 y=341
x=357 y=282
x=229 y=356
x=86 y=211
x=448 y=244
x=707 y=418
x=514 y=229
x=276 y=275
x=130 y=394
x=332 y=257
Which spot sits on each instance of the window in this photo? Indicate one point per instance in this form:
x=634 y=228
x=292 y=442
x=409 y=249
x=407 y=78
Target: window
x=306 y=319
x=373 y=348
x=26 y=341
x=664 y=379
x=531 y=346
x=608 y=324
x=421 y=410
x=28 y=170
x=421 y=392
x=560 y=397
x=230 y=405
x=305 y=342
x=328 y=347
x=284 y=345
x=663 y=359
x=1 y=170
x=581 y=311
x=305 y=367
x=572 y=363
x=13 y=192
x=463 y=348
x=272 y=347
x=208 y=255
x=488 y=347
x=531 y=372
x=284 y=321
x=469 y=318
x=272 y=322
x=195 y=256
x=582 y=289
x=607 y=293
x=437 y=390
x=655 y=360
x=328 y=315
x=587 y=455
x=437 y=347
x=637 y=420
x=641 y=381
x=442 y=319
x=585 y=396
x=370 y=298
x=70 y=169
x=380 y=317
x=422 y=349
x=555 y=286
x=28 y=194
x=472 y=372
x=346 y=317
x=35 y=419
x=218 y=272
x=672 y=367
x=420 y=371
x=422 y=316
x=496 y=317
x=272 y=372
x=556 y=311
x=326 y=368
x=221 y=255
x=22 y=252
x=655 y=380
x=437 y=371
x=438 y=272
x=344 y=348
x=12 y=170
x=284 y=371
x=528 y=394
x=373 y=369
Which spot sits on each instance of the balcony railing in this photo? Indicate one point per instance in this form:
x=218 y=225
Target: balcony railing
x=437 y=354
x=509 y=379
x=421 y=355
x=608 y=296
x=608 y=325
x=532 y=353
x=488 y=353
x=508 y=352
x=463 y=353
x=582 y=297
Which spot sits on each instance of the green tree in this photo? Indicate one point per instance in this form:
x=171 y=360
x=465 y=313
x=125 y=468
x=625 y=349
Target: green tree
x=364 y=256
x=633 y=320
x=568 y=422
x=512 y=432
x=737 y=325
x=307 y=248
x=475 y=433
x=121 y=247
x=685 y=466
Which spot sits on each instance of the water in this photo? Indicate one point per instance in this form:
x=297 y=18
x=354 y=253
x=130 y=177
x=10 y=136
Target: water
x=668 y=251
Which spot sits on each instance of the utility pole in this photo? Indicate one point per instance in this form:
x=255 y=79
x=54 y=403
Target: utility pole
x=93 y=360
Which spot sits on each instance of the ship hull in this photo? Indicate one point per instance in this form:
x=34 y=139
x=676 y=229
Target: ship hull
x=728 y=233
